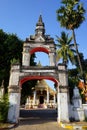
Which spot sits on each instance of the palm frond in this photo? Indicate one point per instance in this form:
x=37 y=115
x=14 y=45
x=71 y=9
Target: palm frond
x=65 y=49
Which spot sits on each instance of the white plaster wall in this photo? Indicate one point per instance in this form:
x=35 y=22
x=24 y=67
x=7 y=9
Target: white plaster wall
x=63 y=107
x=52 y=59
x=39 y=70
x=78 y=114
x=14 y=78
x=13 y=113
x=15 y=67
x=63 y=79
x=61 y=67
x=26 y=59
x=85 y=109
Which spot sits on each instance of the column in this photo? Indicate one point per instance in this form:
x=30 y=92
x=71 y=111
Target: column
x=52 y=59
x=34 y=101
x=54 y=99
x=63 y=94
x=63 y=104
x=14 y=94
x=14 y=108
x=26 y=59
x=47 y=96
x=2 y=90
x=27 y=101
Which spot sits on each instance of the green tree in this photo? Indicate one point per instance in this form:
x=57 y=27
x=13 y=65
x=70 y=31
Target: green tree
x=4 y=106
x=71 y=15
x=83 y=62
x=74 y=76
x=84 y=66
x=10 y=50
x=65 y=48
x=27 y=90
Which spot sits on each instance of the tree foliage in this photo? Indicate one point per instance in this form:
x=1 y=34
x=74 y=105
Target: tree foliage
x=10 y=48
x=74 y=76
x=71 y=15
x=10 y=51
x=65 y=49
x=27 y=90
x=4 y=106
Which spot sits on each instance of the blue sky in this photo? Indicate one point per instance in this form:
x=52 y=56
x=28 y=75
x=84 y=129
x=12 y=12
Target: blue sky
x=20 y=17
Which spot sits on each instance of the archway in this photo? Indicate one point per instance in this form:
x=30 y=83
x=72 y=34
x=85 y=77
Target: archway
x=20 y=74
x=44 y=52
x=39 y=56
x=39 y=49
x=24 y=79
x=40 y=92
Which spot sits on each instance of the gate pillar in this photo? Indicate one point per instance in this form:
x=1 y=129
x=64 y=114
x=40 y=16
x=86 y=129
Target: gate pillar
x=63 y=94
x=25 y=55
x=52 y=59
x=14 y=94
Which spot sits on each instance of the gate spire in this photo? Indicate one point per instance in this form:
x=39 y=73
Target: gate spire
x=40 y=27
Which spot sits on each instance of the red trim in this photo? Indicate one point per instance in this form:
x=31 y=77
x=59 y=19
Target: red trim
x=38 y=78
x=39 y=49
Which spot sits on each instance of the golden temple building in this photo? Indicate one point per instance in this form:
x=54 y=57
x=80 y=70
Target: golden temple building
x=43 y=96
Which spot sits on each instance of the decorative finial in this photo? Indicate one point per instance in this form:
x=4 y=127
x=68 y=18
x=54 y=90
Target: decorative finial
x=40 y=19
x=40 y=26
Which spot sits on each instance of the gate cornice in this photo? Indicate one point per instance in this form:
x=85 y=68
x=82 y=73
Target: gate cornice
x=39 y=71
x=39 y=68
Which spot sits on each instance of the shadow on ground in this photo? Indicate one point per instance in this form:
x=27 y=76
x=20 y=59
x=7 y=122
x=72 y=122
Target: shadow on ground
x=39 y=116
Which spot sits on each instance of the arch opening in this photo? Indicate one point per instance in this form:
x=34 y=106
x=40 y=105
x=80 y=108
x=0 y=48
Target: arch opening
x=39 y=49
x=42 y=59
x=42 y=94
x=24 y=79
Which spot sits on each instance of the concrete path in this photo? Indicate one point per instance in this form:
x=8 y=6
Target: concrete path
x=38 y=120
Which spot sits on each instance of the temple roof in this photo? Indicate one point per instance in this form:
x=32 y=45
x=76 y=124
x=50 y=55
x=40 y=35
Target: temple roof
x=41 y=84
x=39 y=64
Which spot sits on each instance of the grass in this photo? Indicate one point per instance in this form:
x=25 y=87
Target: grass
x=4 y=125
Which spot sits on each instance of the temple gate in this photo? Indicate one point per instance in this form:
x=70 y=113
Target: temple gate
x=40 y=42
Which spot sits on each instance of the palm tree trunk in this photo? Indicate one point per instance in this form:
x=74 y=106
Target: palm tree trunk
x=76 y=47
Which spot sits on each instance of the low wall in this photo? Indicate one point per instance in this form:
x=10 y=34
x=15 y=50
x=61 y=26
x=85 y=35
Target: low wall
x=79 y=111
x=85 y=109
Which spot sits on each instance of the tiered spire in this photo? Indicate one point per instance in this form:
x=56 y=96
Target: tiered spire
x=40 y=28
x=40 y=19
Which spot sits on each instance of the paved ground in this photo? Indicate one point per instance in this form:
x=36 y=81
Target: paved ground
x=38 y=120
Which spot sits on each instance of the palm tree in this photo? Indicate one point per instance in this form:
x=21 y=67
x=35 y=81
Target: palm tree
x=65 y=48
x=71 y=15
